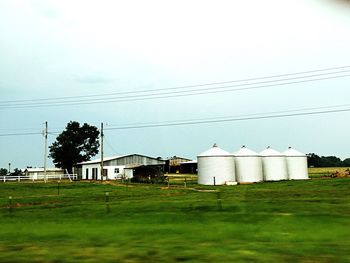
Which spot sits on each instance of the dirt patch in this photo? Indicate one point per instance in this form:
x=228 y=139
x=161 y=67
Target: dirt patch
x=116 y=184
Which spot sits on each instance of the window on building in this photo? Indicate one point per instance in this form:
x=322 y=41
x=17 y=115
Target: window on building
x=87 y=173
x=116 y=170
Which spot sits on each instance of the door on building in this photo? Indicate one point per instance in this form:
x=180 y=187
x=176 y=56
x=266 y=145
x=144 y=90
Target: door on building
x=94 y=173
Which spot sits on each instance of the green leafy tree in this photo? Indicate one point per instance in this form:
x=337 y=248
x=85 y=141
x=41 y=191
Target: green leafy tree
x=16 y=172
x=330 y=161
x=74 y=145
x=346 y=162
x=326 y=161
x=3 y=171
x=313 y=160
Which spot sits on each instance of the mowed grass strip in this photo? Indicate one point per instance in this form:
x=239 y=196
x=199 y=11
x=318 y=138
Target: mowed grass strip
x=304 y=221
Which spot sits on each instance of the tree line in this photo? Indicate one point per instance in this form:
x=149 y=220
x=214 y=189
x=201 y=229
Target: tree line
x=15 y=172
x=326 y=161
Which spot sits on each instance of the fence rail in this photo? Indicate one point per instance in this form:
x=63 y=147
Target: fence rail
x=41 y=177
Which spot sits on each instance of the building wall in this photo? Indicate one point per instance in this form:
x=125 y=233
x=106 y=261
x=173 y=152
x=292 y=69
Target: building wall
x=115 y=168
x=176 y=161
x=172 y=165
x=129 y=173
x=93 y=171
x=41 y=173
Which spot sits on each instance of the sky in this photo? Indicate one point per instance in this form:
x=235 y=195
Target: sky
x=62 y=50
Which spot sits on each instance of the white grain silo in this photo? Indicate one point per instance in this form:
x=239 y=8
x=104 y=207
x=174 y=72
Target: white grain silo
x=248 y=166
x=296 y=164
x=274 y=165
x=215 y=167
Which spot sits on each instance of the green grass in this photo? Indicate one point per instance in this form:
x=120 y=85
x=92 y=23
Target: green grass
x=302 y=221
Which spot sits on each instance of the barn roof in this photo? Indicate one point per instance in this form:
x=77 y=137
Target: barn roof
x=105 y=159
x=41 y=169
x=189 y=162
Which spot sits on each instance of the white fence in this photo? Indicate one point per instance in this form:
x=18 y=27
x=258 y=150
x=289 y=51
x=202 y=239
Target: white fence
x=40 y=177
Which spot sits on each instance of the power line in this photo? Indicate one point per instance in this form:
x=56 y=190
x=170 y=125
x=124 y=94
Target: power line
x=184 y=87
x=20 y=134
x=211 y=90
x=256 y=116
x=110 y=146
x=228 y=120
x=236 y=116
x=19 y=129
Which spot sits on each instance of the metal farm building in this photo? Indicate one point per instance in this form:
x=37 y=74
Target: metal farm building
x=126 y=166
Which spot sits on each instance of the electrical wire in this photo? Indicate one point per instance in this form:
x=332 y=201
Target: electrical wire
x=182 y=87
x=190 y=92
x=20 y=134
x=237 y=116
x=110 y=146
x=268 y=115
x=227 y=120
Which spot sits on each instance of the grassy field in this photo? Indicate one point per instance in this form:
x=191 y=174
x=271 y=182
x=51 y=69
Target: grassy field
x=291 y=221
x=326 y=171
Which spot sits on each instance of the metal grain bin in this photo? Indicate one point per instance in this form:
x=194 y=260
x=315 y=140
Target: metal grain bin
x=296 y=164
x=248 y=166
x=215 y=167
x=274 y=165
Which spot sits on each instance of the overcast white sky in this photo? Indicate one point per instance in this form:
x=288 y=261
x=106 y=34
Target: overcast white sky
x=65 y=48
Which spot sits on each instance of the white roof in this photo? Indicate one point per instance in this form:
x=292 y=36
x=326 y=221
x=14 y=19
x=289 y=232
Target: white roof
x=214 y=151
x=244 y=151
x=189 y=162
x=293 y=153
x=105 y=159
x=41 y=169
x=270 y=152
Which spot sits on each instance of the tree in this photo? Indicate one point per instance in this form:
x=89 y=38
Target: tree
x=326 y=161
x=16 y=172
x=313 y=160
x=330 y=161
x=3 y=172
x=346 y=162
x=74 y=145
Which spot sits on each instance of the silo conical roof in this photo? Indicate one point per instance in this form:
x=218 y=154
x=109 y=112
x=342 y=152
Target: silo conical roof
x=293 y=153
x=214 y=151
x=244 y=151
x=270 y=152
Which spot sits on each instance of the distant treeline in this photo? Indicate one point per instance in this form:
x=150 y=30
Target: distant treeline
x=15 y=172
x=326 y=161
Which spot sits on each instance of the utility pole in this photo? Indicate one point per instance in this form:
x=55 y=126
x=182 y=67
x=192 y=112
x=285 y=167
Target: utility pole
x=45 y=157
x=102 y=135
